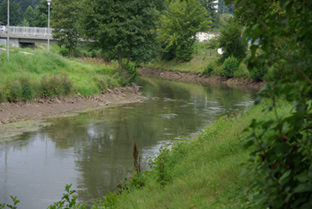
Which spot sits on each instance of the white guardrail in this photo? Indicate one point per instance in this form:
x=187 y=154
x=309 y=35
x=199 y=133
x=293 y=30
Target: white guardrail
x=30 y=31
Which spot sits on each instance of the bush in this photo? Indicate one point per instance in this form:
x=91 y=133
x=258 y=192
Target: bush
x=131 y=73
x=55 y=85
x=64 y=51
x=27 y=89
x=229 y=66
x=208 y=70
x=14 y=91
x=231 y=41
x=259 y=73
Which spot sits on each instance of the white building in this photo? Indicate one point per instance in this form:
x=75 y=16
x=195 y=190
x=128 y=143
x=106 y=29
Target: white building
x=206 y=36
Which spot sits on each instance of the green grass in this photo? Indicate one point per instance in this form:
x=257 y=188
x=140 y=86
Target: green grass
x=195 y=65
x=206 y=170
x=30 y=66
x=202 y=57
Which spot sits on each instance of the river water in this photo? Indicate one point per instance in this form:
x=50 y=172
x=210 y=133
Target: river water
x=93 y=151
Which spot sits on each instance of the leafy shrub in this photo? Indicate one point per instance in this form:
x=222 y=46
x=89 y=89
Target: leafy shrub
x=241 y=72
x=64 y=51
x=131 y=73
x=55 y=85
x=213 y=43
x=69 y=200
x=27 y=89
x=15 y=91
x=259 y=73
x=15 y=202
x=208 y=70
x=231 y=41
x=229 y=66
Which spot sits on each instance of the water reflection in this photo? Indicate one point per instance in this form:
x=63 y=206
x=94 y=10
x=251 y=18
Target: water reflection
x=94 y=150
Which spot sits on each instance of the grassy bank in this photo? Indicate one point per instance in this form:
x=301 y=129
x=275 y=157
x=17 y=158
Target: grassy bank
x=205 y=61
x=36 y=73
x=202 y=172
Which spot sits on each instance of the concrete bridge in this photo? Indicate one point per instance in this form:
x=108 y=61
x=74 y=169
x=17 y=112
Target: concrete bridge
x=27 y=36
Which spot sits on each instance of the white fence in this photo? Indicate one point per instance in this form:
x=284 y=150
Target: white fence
x=30 y=31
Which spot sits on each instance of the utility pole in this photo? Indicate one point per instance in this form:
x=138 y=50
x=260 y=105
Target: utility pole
x=8 y=35
x=49 y=2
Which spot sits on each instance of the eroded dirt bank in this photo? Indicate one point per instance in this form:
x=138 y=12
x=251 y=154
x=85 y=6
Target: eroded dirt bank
x=197 y=78
x=54 y=107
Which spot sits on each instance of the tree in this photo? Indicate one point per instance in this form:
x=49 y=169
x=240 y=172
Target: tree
x=211 y=7
x=16 y=13
x=25 y=23
x=178 y=28
x=29 y=15
x=41 y=14
x=24 y=4
x=281 y=160
x=231 y=41
x=65 y=23
x=120 y=25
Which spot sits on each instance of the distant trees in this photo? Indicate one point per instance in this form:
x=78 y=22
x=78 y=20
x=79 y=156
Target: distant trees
x=16 y=12
x=29 y=15
x=231 y=40
x=21 y=14
x=212 y=10
x=64 y=20
x=178 y=28
x=120 y=26
x=41 y=14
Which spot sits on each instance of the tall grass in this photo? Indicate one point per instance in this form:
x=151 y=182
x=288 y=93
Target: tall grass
x=37 y=73
x=201 y=172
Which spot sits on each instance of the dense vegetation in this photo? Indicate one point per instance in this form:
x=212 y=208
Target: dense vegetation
x=36 y=73
x=206 y=168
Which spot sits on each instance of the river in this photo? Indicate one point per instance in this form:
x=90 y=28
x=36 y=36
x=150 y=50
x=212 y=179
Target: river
x=93 y=151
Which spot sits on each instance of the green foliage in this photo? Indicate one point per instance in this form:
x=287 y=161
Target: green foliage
x=64 y=51
x=16 y=12
x=259 y=73
x=120 y=26
x=15 y=202
x=213 y=43
x=132 y=72
x=161 y=167
x=41 y=14
x=281 y=161
x=208 y=70
x=29 y=15
x=231 y=41
x=178 y=28
x=64 y=20
x=213 y=14
x=229 y=67
x=55 y=85
x=27 y=89
x=14 y=91
x=41 y=74
x=69 y=200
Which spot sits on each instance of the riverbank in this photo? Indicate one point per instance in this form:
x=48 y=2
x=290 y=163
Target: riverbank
x=175 y=75
x=16 y=118
x=205 y=171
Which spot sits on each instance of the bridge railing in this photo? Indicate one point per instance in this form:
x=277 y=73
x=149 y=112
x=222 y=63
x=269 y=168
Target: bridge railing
x=30 y=31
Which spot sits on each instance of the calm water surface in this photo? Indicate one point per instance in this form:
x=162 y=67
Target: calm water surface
x=93 y=151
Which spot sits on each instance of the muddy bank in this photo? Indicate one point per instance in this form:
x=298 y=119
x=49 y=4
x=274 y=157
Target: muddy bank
x=53 y=107
x=197 y=78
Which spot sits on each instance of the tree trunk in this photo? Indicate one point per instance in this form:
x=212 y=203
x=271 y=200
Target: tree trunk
x=70 y=51
x=120 y=60
x=129 y=55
